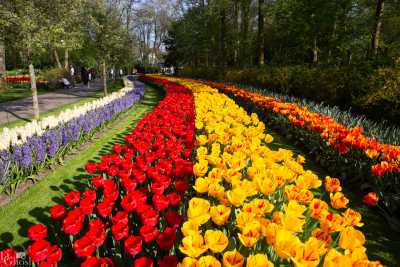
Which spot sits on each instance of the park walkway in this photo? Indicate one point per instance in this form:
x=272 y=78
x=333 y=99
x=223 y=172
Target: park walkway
x=21 y=109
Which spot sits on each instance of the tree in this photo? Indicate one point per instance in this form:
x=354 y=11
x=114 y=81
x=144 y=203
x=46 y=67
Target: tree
x=377 y=27
x=28 y=25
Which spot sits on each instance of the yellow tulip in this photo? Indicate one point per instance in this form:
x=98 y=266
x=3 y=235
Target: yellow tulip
x=308 y=180
x=188 y=262
x=351 y=238
x=309 y=254
x=233 y=259
x=335 y=259
x=338 y=200
x=258 y=260
x=200 y=169
x=198 y=210
x=189 y=228
x=250 y=234
x=244 y=218
x=193 y=245
x=262 y=206
x=220 y=214
x=216 y=190
x=268 y=139
x=208 y=261
x=201 y=185
x=270 y=233
x=216 y=240
x=236 y=197
x=293 y=218
x=286 y=244
x=201 y=139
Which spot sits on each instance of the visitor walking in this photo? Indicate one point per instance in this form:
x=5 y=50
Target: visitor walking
x=72 y=74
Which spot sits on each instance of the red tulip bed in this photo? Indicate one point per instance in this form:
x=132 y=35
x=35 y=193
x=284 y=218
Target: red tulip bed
x=129 y=214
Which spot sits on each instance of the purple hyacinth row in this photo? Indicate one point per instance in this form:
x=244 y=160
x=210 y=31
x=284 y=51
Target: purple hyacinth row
x=37 y=149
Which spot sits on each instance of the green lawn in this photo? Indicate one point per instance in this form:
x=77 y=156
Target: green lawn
x=112 y=86
x=32 y=206
x=382 y=242
x=14 y=92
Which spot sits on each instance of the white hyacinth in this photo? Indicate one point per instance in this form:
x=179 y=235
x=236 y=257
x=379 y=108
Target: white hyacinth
x=18 y=135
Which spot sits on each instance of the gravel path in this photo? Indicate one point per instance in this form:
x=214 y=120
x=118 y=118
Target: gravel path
x=22 y=108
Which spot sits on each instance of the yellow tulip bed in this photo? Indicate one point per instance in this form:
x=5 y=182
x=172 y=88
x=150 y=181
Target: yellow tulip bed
x=258 y=207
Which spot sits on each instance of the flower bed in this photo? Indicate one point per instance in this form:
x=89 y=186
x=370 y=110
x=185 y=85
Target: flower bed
x=248 y=206
x=22 y=79
x=346 y=152
x=28 y=148
x=130 y=213
x=259 y=207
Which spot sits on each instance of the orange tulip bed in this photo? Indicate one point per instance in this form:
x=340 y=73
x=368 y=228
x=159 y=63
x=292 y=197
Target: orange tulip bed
x=348 y=153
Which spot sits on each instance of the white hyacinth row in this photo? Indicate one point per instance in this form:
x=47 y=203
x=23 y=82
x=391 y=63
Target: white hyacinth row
x=19 y=134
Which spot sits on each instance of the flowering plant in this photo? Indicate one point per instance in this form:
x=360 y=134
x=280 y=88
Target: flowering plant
x=258 y=207
x=25 y=149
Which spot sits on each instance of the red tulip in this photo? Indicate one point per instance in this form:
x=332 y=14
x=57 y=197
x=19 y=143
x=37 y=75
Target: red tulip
x=37 y=232
x=143 y=262
x=149 y=217
x=168 y=261
x=57 y=212
x=120 y=231
x=39 y=250
x=90 y=194
x=8 y=257
x=55 y=254
x=91 y=167
x=87 y=205
x=166 y=239
x=104 y=208
x=117 y=148
x=97 y=232
x=129 y=202
x=174 y=199
x=133 y=245
x=47 y=264
x=97 y=262
x=72 y=224
x=84 y=247
x=148 y=233
x=97 y=181
x=72 y=198
x=371 y=199
x=181 y=185
x=120 y=217
x=173 y=218
x=160 y=202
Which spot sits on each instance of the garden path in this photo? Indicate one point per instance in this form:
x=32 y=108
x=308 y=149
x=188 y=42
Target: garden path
x=22 y=109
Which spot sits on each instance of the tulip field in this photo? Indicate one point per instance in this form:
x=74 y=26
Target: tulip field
x=200 y=181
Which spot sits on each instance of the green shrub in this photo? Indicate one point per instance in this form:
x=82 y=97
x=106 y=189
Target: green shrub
x=359 y=87
x=53 y=76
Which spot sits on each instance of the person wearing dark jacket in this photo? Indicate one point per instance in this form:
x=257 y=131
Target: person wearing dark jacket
x=84 y=75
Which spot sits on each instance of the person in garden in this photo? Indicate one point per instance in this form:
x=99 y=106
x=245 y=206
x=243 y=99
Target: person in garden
x=72 y=74
x=84 y=75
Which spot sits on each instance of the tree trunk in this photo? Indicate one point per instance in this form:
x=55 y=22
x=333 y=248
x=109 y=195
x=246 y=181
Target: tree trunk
x=104 y=77
x=315 y=51
x=260 y=34
x=66 y=59
x=2 y=65
x=34 y=92
x=245 y=21
x=377 y=27
x=222 y=38
x=236 y=43
x=57 y=59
